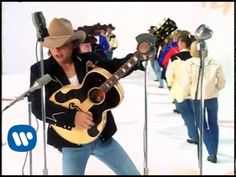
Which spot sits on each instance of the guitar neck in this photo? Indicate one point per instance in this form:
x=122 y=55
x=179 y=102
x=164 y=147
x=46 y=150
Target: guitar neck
x=164 y=31
x=124 y=69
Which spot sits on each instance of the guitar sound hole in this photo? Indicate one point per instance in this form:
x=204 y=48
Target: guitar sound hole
x=96 y=95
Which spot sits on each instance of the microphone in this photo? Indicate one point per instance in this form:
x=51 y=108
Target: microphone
x=146 y=45
x=40 y=24
x=203 y=32
x=44 y=80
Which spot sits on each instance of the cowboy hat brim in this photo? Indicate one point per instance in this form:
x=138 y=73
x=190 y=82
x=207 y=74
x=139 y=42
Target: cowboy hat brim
x=58 y=41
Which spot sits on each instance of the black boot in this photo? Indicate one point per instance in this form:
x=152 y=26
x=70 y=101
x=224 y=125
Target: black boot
x=191 y=141
x=212 y=158
x=176 y=111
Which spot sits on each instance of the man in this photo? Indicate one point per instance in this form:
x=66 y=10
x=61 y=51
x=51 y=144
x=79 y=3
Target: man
x=113 y=42
x=214 y=82
x=81 y=117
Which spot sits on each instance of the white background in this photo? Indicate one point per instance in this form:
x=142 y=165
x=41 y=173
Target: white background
x=130 y=20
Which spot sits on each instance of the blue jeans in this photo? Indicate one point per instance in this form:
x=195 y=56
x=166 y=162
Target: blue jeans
x=109 y=152
x=157 y=70
x=210 y=126
x=186 y=110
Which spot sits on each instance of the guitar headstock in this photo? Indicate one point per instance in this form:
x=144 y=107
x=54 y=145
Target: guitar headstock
x=165 y=30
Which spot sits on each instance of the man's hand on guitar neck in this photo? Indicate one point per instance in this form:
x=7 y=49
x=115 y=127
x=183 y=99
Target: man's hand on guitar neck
x=83 y=120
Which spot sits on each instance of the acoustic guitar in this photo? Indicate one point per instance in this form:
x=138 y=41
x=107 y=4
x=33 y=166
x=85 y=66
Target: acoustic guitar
x=99 y=92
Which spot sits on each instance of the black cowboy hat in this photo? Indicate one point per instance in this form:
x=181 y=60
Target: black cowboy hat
x=152 y=28
x=110 y=26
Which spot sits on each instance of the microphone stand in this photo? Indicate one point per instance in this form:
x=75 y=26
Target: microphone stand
x=29 y=113
x=45 y=170
x=201 y=103
x=146 y=48
x=146 y=171
x=30 y=153
x=40 y=24
x=202 y=33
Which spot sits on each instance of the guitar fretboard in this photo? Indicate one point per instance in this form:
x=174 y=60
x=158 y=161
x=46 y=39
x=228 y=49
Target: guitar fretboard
x=126 y=67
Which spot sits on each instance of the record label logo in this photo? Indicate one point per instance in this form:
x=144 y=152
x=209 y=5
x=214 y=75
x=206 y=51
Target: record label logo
x=22 y=138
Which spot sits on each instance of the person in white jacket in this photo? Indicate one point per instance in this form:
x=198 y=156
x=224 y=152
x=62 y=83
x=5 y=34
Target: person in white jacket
x=213 y=82
x=174 y=75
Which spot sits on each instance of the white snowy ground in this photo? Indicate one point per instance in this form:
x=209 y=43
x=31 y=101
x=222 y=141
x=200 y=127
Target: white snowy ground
x=167 y=153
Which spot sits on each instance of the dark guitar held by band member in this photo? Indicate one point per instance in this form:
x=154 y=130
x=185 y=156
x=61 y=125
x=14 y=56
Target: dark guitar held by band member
x=84 y=90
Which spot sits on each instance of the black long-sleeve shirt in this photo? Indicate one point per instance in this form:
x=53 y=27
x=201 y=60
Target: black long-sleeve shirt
x=61 y=116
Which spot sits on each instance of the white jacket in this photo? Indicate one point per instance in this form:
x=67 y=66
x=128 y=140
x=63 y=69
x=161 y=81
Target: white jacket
x=213 y=79
x=174 y=75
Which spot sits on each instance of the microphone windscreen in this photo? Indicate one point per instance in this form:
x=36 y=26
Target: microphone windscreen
x=203 y=32
x=40 y=24
x=146 y=37
x=44 y=80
